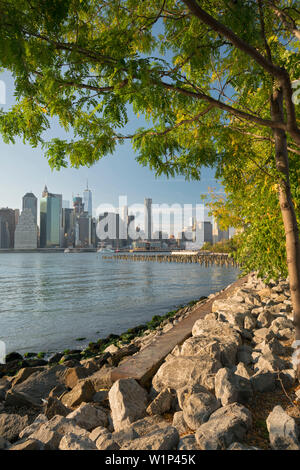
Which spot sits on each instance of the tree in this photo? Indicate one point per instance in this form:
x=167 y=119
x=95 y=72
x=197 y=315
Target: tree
x=200 y=71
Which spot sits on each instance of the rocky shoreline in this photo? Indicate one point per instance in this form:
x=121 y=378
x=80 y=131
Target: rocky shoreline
x=205 y=395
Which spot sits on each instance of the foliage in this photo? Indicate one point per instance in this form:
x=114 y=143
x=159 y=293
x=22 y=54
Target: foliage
x=223 y=246
x=200 y=73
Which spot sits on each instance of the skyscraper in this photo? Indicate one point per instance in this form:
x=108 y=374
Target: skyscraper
x=9 y=217
x=148 y=218
x=29 y=201
x=50 y=219
x=87 y=201
x=26 y=231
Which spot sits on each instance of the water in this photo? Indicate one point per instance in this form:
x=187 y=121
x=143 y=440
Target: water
x=47 y=301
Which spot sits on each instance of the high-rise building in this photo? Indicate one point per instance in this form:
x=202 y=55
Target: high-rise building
x=29 y=201
x=148 y=218
x=87 y=201
x=218 y=234
x=68 y=227
x=26 y=231
x=78 y=205
x=9 y=216
x=50 y=219
x=4 y=234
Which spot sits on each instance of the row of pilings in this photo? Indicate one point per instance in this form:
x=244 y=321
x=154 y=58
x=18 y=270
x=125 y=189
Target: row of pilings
x=219 y=259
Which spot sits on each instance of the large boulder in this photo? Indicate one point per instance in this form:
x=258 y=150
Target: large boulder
x=225 y=426
x=230 y=387
x=197 y=404
x=11 y=425
x=54 y=407
x=283 y=430
x=82 y=392
x=39 y=420
x=128 y=402
x=35 y=388
x=180 y=371
x=88 y=416
x=161 y=439
x=161 y=403
x=72 y=441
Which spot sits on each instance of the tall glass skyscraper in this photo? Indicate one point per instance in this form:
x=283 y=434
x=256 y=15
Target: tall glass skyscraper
x=50 y=219
x=148 y=218
x=29 y=201
x=87 y=201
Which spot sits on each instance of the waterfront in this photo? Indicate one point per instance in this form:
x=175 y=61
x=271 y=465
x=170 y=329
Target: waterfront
x=50 y=300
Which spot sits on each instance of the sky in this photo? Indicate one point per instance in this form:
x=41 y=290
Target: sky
x=24 y=169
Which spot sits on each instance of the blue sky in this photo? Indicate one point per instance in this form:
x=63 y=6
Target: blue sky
x=25 y=169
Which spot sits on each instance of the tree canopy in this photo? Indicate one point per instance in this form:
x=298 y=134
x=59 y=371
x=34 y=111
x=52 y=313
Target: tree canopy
x=200 y=76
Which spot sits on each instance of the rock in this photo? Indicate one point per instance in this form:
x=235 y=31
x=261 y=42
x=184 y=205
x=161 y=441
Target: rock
x=51 y=432
x=180 y=424
x=273 y=347
x=162 y=403
x=13 y=356
x=4 y=443
x=58 y=391
x=249 y=321
x=55 y=407
x=127 y=435
x=72 y=441
x=39 y=420
x=239 y=446
x=100 y=396
x=24 y=373
x=270 y=362
x=55 y=358
x=11 y=425
x=82 y=392
x=27 y=444
x=5 y=385
x=229 y=306
x=181 y=371
x=265 y=292
x=73 y=375
x=243 y=371
x=286 y=334
x=224 y=427
x=188 y=443
x=144 y=426
x=265 y=319
x=121 y=353
x=286 y=378
x=213 y=331
x=97 y=432
x=37 y=387
x=204 y=347
x=281 y=323
x=111 y=349
x=128 y=401
x=244 y=354
x=105 y=442
x=283 y=431
x=263 y=381
x=231 y=387
x=88 y=416
x=263 y=334
x=161 y=439
x=102 y=379
x=197 y=404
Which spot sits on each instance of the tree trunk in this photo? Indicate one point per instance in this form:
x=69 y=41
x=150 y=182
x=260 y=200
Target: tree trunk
x=288 y=216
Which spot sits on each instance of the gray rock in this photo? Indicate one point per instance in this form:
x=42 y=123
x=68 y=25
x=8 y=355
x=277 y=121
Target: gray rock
x=105 y=442
x=270 y=362
x=100 y=396
x=11 y=425
x=265 y=319
x=197 y=404
x=161 y=403
x=287 y=378
x=82 y=392
x=281 y=323
x=224 y=427
x=35 y=388
x=146 y=426
x=27 y=444
x=181 y=371
x=71 y=441
x=272 y=347
x=124 y=436
x=244 y=354
x=263 y=334
x=283 y=431
x=97 y=432
x=188 y=443
x=263 y=381
x=249 y=321
x=180 y=424
x=55 y=407
x=160 y=439
x=4 y=443
x=39 y=420
x=88 y=416
x=128 y=401
x=231 y=387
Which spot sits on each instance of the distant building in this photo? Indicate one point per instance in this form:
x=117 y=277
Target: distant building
x=26 y=231
x=87 y=201
x=9 y=218
x=78 y=205
x=148 y=218
x=218 y=234
x=29 y=201
x=4 y=234
x=50 y=219
x=68 y=228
